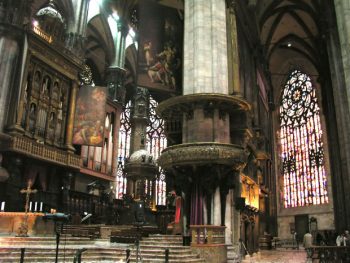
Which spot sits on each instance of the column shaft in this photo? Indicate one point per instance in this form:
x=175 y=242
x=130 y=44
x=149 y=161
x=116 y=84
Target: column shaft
x=71 y=112
x=9 y=52
x=205 y=47
x=233 y=54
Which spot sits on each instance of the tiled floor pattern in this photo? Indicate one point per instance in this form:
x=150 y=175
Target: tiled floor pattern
x=277 y=256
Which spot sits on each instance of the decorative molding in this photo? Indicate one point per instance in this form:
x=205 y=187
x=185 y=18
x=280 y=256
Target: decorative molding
x=42 y=152
x=203 y=154
x=85 y=75
x=174 y=107
x=115 y=84
x=55 y=56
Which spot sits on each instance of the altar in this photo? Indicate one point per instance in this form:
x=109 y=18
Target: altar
x=10 y=222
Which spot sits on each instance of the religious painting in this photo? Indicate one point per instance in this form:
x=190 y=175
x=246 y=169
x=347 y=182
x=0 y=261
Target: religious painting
x=160 y=47
x=89 y=117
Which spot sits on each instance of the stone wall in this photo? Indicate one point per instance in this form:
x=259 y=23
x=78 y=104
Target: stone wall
x=325 y=221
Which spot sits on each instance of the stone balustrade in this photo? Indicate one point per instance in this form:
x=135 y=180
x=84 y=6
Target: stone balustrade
x=207 y=235
x=43 y=152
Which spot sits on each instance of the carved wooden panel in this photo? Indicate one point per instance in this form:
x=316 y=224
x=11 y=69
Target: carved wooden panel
x=45 y=102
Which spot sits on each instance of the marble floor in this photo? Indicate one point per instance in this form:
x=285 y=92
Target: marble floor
x=277 y=256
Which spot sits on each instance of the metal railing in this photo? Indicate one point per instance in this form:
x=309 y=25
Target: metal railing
x=329 y=254
x=78 y=254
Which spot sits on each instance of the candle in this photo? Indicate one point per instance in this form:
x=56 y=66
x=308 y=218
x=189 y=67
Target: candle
x=41 y=206
x=30 y=206
x=36 y=206
x=3 y=206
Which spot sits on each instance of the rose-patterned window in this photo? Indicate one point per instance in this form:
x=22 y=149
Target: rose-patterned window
x=303 y=171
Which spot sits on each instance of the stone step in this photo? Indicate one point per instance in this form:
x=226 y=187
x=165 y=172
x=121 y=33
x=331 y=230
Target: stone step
x=165 y=237
x=173 y=252
x=169 y=244
x=194 y=260
x=36 y=238
x=88 y=258
x=160 y=241
x=92 y=251
x=43 y=249
x=99 y=260
x=161 y=245
x=4 y=241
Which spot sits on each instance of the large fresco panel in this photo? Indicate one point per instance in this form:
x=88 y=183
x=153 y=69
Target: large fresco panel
x=89 y=116
x=160 y=47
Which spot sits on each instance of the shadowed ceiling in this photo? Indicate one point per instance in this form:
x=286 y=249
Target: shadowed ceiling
x=290 y=31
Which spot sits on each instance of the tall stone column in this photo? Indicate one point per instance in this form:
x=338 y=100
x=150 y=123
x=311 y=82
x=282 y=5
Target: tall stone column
x=205 y=47
x=229 y=218
x=233 y=55
x=9 y=56
x=217 y=207
x=207 y=107
x=115 y=85
x=71 y=113
x=12 y=54
x=338 y=35
x=77 y=26
x=139 y=121
x=116 y=71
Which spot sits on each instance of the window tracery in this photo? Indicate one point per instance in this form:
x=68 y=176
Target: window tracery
x=156 y=140
x=304 y=177
x=123 y=149
x=155 y=143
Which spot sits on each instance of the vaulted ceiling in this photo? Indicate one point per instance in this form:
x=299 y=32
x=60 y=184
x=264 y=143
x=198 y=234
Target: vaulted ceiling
x=290 y=32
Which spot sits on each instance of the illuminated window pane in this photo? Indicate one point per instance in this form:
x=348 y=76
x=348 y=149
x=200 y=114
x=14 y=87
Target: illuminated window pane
x=156 y=142
x=303 y=169
x=123 y=150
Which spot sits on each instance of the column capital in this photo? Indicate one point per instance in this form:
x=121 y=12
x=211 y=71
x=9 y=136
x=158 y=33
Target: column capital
x=140 y=104
x=122 y=27
x=85 y=75
x=231 y=4
x=115 y=84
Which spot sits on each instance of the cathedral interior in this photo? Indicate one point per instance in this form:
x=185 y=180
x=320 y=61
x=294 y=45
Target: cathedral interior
x=221 y=123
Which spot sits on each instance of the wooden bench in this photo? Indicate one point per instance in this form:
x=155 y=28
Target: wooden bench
x=91 y=232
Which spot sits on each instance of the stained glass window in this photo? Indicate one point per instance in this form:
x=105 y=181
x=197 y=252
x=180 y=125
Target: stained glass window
x=304 y=177
x=123 y=150
x=156 y=142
